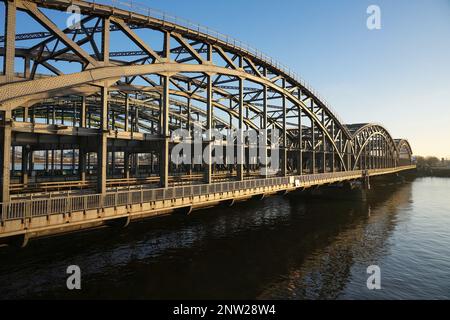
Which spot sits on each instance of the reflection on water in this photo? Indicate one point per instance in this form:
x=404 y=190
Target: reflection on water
x=278 y=248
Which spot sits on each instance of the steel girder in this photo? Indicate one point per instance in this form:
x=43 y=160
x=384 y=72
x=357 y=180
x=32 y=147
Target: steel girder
x=191 y=65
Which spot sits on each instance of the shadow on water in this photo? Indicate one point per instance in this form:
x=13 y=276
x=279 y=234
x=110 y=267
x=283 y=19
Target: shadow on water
x=280 y=247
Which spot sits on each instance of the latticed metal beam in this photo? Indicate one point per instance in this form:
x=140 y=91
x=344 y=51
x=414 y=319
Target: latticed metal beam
x=192 y=77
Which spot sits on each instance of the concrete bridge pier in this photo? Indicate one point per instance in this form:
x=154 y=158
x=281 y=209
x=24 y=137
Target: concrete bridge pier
x=366 y=181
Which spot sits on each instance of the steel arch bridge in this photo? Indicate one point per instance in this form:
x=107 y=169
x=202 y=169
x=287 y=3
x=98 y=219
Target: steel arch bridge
x=92 y=106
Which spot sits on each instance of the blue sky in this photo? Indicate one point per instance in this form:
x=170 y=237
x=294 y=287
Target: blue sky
x=398 y=76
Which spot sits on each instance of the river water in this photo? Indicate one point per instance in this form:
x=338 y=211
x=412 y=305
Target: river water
x=290 y=247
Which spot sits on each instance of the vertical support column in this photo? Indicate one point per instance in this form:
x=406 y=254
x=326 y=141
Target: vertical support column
x=189 y=128
x=113 y=159
x=61 y=161
x=300 y=136
x=152 y=162
x=376 y=151
x=379 y=152
x=136 y=119
x=32 y=116
x=136 y=164
x=102 y=153
x=52 y=163
x=46 y=169
x=230 y=163
x=30 y=163
x=74 y=115
x=167 y=45
x=386 y=155
x=349 y=156
x=371 y=153
x=333 y=153
x=164 y=154
x=284 y=150
x=53 y=115
x=13 y=161
x=127 y=112
x=209 y=120
x=25 y=114
x=340 y=149
x=126 y=164
x=361 y=161
x=10 y=40
x=188 y=124
x=73 y=162
x=240 y=137
x=5 y=156
x=82 y=162
x=83 y=112
x=365 y=158
x=324 y=145
x=263 y=149
x=113 y=120
x=26 y=67
x=313 y=149
x=25 y=161
x=105 y=40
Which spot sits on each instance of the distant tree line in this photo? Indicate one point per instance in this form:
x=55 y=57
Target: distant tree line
x=432 y=162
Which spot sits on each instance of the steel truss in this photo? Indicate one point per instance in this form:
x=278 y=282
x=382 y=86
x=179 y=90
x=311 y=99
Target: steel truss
x=126 y=97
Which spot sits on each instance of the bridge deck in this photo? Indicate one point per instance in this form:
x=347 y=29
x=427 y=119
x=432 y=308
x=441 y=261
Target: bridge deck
x=40 y=217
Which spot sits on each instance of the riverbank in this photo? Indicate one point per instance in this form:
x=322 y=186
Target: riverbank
x=433 y=172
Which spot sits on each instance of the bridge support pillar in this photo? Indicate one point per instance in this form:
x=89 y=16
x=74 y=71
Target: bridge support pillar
x=25 y=162
x=164 y=153
x=366 y=180
x=10 y=40
x=126 y=165
x=209 y=119
x=300 y=139
x=102 y=152
x=5 y=155
x=240 y=138
x=284 y=147
x=82 y=163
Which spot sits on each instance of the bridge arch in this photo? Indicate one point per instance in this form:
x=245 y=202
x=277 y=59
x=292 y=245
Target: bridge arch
x=129 y=100
x=373 y=146
x=404 y=152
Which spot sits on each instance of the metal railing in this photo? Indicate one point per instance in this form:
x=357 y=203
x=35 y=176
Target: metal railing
x=61 y=205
